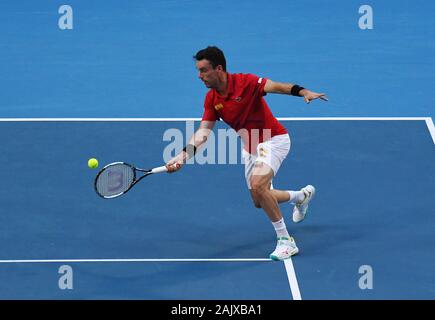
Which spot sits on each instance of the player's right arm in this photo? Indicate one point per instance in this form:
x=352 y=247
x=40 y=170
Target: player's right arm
x=197 y=140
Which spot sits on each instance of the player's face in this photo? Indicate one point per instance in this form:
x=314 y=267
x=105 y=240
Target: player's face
x=208 y=74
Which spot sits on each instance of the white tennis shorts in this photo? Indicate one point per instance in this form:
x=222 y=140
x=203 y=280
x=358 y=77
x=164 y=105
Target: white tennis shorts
x=271 y=152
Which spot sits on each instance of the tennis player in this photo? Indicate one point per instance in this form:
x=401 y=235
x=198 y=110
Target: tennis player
x=238 y=100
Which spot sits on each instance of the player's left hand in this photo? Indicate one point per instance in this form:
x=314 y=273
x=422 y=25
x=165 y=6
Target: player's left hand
x=310 y=95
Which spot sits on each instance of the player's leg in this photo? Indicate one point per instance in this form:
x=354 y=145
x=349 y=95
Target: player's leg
x=283 y=196
x=288 y=195
x=259 y=171
x=277 y=149
x=280 y=195
x=260 y=191
x=262 y=195
x=299 y=198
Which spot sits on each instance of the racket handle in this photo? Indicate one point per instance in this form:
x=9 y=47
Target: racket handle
x=159 y=169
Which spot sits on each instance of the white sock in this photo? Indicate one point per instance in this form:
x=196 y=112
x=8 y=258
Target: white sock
x=296 y=196
x=280 y=228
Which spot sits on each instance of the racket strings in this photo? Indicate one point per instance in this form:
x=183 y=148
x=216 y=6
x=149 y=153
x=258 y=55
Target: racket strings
x=115 y=180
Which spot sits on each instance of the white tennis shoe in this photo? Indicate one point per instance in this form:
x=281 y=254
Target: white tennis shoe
x=285 y=248
x=300 y=209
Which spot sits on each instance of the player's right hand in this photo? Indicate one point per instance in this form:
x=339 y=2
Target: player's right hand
x=175 y=164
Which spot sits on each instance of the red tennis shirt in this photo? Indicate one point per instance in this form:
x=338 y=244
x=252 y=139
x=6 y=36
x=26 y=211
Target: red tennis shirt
x=244 y=109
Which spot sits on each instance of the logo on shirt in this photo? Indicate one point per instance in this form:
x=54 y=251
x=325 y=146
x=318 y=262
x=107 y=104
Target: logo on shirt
x=219 y=106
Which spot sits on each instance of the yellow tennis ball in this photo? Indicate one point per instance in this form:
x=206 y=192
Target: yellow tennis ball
x=92 y=163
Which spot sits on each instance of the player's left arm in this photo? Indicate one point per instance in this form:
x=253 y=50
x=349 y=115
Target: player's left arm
x=286 y=88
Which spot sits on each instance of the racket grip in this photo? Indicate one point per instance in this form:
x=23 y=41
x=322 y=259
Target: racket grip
x=159 y=169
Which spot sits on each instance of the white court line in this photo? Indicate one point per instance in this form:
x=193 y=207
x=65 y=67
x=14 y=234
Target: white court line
x=134 y=260
x=291 y=275
x=428 y=120
x=431 y=128
x=198 y=119
x=356 y=119
x=292 y=280
x=96 y=119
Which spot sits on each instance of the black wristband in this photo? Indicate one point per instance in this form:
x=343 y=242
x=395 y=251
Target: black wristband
x=190 y=149
x=295 y=90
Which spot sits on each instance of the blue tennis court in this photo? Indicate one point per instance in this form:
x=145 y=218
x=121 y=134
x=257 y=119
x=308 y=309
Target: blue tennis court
x=363 y=215
x=111 y=87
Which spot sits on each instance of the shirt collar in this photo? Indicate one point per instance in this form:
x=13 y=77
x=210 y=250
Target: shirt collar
x=230 y=86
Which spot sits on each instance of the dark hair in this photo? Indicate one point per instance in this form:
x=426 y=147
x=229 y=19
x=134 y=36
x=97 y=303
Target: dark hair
x=212 y=54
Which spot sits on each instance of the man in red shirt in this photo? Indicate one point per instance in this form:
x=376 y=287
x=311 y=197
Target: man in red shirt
x=238 y=100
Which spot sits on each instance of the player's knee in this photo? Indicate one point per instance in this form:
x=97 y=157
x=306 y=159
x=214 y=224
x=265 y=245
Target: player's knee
x=258 y=186
x=255 y=198
x=257 y=192
x=257 y=204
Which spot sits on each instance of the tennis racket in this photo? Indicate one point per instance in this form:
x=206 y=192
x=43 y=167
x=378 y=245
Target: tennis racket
x=117 y=178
